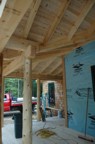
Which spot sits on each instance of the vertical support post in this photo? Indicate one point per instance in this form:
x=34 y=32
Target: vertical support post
x=27 y=103
x=1 y=67
x=38 y=100
x=64 y=92
x=2 y=103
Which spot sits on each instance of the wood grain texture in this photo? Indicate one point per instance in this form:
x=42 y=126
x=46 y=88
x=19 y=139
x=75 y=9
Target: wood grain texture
x=27 y=105
x=51 y=28
x=13 y=13
x=1 y=64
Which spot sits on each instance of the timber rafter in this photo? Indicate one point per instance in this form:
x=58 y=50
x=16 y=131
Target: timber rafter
x=50 y=28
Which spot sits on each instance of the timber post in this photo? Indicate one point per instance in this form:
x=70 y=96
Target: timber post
x=27 y=103
x=64 y=92
x=1 y=67
x=38 y=100
x=2 y=101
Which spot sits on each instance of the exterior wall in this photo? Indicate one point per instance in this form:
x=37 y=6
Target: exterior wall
x=58 y=93
x=79 y=89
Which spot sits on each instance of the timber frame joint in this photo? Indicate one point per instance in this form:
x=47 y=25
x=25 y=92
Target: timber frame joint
x=30 y=52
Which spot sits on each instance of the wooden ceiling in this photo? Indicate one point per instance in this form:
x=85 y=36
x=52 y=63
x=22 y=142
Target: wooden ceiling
x=52 y=28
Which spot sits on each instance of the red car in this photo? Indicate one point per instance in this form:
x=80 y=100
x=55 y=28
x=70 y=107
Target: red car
x=12 y=103
x=7 y=102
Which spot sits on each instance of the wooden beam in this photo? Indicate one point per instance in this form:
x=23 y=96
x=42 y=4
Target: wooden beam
x=13 y=13
x=55 y=67
x=34 y=65
x=27 y=103
x=54 y=53
x=46 y=77
x=64 y=92
x=58 y=70
x=1 y=67
x=10 y=55
x=64 y=42
x=33 y=12
x=62 y=8
x=86 y=8
x=14 y=65
x=16 y=74
x=47 y=63
x=20 y=44
x=56 y=63
x=57 y=52
x=30 y=51
x=36 y=76
x=91 y=29
x=18 y=62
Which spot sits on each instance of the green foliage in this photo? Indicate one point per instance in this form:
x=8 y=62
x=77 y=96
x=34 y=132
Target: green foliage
x=15 y=87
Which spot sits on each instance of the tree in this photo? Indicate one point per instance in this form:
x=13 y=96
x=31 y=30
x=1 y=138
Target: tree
x=15 y=87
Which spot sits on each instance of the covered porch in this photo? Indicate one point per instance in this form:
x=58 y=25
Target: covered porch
x=45 y=40
x=55 y=124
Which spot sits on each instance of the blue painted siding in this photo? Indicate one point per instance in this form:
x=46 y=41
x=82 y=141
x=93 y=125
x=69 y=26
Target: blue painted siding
x=78 y=80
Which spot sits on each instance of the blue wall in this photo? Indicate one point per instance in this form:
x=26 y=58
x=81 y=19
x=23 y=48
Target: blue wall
x=79 y=87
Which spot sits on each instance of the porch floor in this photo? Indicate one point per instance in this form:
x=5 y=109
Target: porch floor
x=55 y=124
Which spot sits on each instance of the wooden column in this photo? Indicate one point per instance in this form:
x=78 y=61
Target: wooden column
x=64 y=92
x=1 y=66
x=38 y=100
x=27 y=104
x=2 y=103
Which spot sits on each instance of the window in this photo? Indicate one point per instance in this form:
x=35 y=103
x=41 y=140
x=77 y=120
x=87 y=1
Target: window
x=5 y=97
x=51 y=92
x=93 y=79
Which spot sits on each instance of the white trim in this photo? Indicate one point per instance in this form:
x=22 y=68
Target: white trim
x=2 y=5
